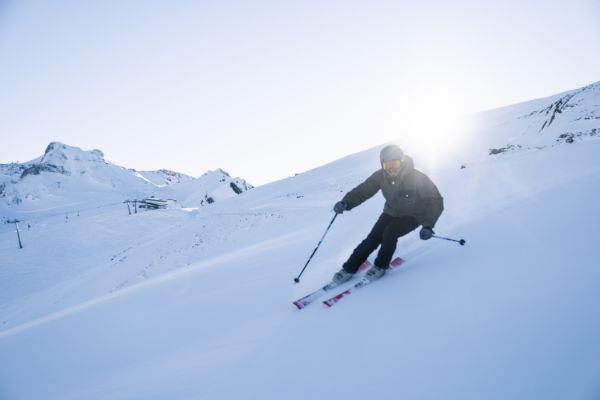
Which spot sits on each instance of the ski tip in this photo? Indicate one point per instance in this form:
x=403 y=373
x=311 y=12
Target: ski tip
x=326 y=303
x=300 y=304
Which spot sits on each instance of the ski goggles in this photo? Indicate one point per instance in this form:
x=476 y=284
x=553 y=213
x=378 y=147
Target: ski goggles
x=393 y=164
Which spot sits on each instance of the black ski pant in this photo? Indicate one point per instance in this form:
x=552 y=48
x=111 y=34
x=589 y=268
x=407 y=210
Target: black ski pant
x=386 y=232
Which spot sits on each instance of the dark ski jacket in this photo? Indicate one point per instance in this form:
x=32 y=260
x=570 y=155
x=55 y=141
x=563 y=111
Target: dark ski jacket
x=411 y=193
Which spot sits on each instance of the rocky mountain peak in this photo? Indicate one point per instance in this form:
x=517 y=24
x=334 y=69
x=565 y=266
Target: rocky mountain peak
x=59 y=154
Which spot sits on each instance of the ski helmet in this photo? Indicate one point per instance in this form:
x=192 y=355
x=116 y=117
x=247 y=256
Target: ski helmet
x=391 y=153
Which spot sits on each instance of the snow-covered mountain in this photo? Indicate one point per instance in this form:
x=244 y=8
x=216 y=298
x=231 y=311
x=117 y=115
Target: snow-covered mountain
x=197 y=304
x=210 y=187
x=69 y=179
x=563 y=118
x=66 y=177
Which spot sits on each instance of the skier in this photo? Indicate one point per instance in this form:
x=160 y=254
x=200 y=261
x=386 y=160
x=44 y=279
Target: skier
x=411 y=199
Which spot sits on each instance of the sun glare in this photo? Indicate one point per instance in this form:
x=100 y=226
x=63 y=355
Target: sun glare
x=435 y=127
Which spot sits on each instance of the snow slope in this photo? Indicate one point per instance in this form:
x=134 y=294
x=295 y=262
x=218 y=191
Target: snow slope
x=177 y=304
x=164 y=177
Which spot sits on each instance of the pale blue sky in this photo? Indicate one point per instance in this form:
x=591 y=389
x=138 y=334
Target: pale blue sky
x=265 y=89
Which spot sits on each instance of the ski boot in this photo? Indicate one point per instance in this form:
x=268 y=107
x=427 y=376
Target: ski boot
x=342 y=276
x=375 y=273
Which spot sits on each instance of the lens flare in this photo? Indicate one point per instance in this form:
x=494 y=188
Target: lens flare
x=434 y=127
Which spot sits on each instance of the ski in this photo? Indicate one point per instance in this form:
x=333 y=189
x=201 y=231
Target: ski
x=360 y=284
x=311 y=297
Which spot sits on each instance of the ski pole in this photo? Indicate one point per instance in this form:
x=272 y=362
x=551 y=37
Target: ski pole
x=297 y=279
x=461 y=241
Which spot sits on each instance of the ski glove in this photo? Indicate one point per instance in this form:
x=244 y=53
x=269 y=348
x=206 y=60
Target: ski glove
x=426 y=233
x=340 y=207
